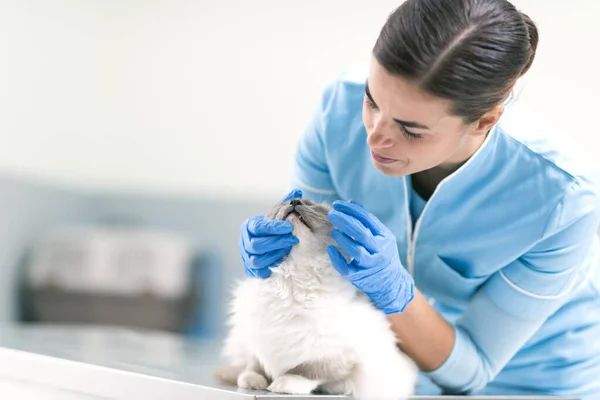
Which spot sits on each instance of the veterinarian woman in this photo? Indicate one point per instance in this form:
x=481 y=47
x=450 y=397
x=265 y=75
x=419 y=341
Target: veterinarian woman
x=487 y=267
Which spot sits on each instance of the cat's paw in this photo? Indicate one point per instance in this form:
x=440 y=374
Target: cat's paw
x=252 y=380
x=228 y=374
x=292 y=384
x=345 y=387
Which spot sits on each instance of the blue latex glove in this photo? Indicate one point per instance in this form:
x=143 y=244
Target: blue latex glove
x=375 y=268
x=265 y=243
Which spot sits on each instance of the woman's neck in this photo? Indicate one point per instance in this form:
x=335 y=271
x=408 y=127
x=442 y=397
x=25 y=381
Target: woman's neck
x=425 y=182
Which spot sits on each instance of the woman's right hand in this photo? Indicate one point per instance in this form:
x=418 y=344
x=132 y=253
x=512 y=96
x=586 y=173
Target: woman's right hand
x=265 y=243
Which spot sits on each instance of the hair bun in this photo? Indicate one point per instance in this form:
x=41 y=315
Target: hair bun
x=533 y=40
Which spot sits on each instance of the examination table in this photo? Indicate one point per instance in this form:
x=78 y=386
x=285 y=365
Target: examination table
x=76 y=363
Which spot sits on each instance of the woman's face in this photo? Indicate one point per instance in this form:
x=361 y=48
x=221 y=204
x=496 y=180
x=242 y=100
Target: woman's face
x=410 y=131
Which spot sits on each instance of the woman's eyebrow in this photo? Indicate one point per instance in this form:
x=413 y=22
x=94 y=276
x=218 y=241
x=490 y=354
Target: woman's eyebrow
x=408 y=124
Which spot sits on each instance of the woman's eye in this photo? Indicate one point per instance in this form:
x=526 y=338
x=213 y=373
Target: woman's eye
x=369 y=103
x=408 y=134
x=411 y=135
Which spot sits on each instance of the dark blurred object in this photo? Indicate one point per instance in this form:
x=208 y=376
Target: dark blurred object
x=49 y=304
x=117 y=277
x=32 y=209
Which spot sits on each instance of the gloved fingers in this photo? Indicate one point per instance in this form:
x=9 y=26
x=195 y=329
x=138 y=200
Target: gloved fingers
x=269 y=259
x=253 y=273
x=245 y=238
x=355 y=202
x=359 y=212
x=353 y=249
x=338 y=261
x=262 y=273
x=264 y=244
x=257 y=226
x=258 y=273
x=249 y=273
x=294 y=194
x=354 y=229
x=349 y=271
x=245 y=260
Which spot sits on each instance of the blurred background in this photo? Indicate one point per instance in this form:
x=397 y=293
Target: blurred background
x=136 y=136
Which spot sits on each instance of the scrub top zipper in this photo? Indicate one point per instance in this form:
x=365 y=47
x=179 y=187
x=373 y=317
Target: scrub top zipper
x=413 y=235
x=409 y=229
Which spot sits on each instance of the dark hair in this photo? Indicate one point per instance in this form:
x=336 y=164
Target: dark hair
x=468 y=51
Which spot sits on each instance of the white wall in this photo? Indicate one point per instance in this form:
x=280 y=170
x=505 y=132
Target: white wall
x=192 y=96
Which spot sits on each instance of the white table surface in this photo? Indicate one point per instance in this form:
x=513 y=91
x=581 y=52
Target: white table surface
x=81 y=363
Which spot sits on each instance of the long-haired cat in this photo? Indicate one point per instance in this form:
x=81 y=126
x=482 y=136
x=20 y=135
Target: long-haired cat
x=306 y=328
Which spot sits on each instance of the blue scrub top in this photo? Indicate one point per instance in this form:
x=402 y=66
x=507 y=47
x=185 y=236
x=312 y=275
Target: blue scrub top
x=505 y=249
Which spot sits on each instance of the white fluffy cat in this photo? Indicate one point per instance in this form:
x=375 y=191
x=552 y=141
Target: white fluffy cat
x=307 y=328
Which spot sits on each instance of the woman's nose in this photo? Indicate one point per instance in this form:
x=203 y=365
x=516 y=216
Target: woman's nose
x=378 y=137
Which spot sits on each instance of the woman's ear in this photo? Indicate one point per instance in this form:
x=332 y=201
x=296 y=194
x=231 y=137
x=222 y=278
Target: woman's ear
x=489 y=119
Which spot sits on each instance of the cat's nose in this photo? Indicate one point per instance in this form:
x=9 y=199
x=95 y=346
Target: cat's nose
x=295 y=202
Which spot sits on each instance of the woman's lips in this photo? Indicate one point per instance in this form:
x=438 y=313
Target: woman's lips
x=382 y=160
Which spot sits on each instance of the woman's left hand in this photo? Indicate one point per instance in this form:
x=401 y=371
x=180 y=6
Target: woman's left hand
x=375 y=268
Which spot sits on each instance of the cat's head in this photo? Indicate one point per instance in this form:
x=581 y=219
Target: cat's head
x=309 y=220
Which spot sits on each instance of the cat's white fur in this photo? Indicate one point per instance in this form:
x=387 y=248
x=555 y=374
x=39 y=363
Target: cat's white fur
x=306 y=327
